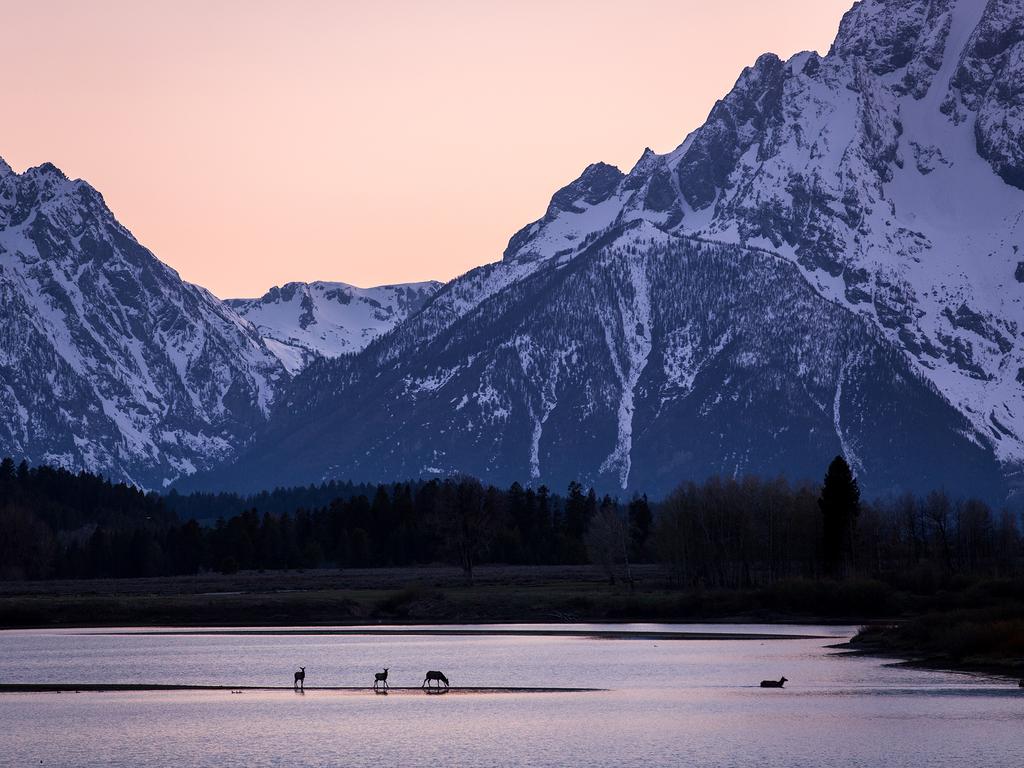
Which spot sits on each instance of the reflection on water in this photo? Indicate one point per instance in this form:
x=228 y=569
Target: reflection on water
x=670 y=702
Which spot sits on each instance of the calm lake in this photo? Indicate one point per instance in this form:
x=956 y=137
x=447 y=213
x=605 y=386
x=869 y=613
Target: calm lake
x=668 y=702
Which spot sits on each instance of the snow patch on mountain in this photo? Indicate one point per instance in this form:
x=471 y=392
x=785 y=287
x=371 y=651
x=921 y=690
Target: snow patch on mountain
x=627 y=332
x=303 y=321
x=544 y=399
x=849 y=452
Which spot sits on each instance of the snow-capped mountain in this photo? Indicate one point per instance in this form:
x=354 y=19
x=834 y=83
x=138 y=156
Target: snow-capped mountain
x=831 y=262
x=108 y=360
x=891 y=171
x=302 y=321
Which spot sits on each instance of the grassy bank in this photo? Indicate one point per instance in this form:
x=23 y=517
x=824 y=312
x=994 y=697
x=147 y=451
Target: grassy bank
x=969 y=626
x=425 y=595
x=978 y=640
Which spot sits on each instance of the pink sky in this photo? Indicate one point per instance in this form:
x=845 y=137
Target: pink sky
x=251 y=143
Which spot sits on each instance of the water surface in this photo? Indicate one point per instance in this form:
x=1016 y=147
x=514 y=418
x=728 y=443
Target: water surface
x=668 y=702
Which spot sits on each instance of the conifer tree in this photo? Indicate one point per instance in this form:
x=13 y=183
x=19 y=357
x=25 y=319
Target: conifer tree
x=840 y=505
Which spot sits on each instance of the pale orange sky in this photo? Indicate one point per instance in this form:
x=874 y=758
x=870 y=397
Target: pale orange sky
x=249 y=143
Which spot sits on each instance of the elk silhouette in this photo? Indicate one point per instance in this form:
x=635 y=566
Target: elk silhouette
x=436 y=676
x=774 y=683
x=300 y=679
x=380 y=677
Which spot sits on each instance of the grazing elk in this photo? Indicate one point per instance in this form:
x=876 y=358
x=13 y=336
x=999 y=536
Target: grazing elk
x=436 y=676
x=300 y=679
x=774 y=683
x=380 y=677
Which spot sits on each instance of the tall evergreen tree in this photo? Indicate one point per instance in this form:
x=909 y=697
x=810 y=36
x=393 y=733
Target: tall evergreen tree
x=840 y=505
x=575 y=511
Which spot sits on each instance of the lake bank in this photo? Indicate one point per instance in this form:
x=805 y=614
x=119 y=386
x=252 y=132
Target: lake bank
x=986 y=641
x=499 y=594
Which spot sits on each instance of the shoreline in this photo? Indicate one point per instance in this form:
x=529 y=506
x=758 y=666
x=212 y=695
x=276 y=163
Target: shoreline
x=525 y=626
x=153 y=687
x=1007 y=670
x=462 y=631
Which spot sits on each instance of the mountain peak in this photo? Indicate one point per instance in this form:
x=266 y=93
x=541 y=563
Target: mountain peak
x=595 y=185
x=47 y=170
x=598 y=183
x=647 y=157
x=889 y=36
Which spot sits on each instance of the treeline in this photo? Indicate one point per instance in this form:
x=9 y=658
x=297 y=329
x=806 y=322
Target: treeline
x=46 y=513
x=458 y=521
x=723 y=533
x=750 y=532
x=209 y=507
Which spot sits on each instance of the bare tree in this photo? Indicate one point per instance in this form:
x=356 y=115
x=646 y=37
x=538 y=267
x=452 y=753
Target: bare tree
x=466 y=516
x=606 y=539
x=938 y=510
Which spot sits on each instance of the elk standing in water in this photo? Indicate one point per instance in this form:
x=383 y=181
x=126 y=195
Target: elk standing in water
x=773 y=683
x=300 y=679
x=380 y=677
x=435 y=675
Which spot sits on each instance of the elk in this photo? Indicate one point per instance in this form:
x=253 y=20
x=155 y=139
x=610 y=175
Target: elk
x=380 y=677
x=437 y=676
x=773 y=683
x=300 y=679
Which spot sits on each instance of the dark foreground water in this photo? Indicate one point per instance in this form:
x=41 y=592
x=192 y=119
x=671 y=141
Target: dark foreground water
x=670 y=702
